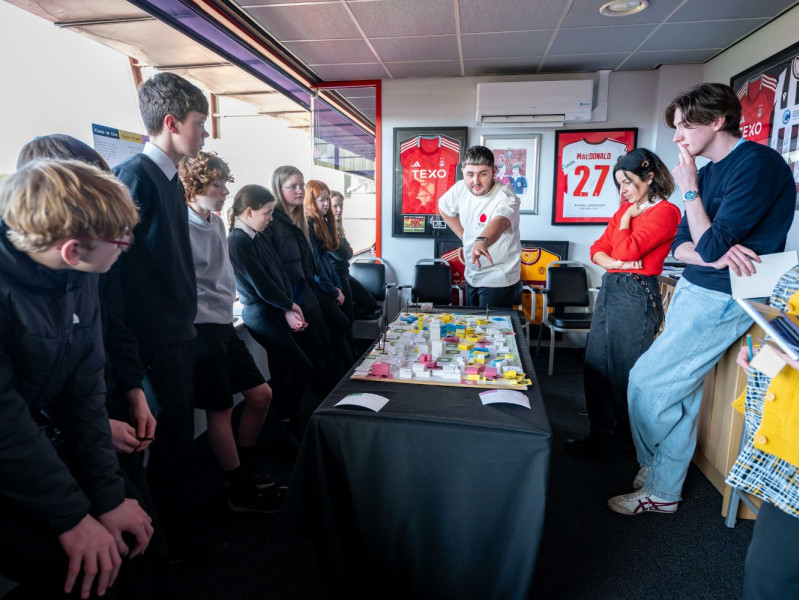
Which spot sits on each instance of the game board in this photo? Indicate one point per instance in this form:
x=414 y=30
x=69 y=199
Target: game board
x=446 y=349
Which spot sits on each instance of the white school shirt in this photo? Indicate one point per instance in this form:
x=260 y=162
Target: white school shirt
x=475 y=212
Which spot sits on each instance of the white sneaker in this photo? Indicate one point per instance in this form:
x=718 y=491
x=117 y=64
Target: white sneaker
x=640 y=478
x=640 y=502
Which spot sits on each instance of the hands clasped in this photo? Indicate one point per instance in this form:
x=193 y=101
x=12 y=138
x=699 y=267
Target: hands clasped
x=95 y=546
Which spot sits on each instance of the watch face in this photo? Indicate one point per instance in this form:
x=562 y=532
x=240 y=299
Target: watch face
x=689 y=195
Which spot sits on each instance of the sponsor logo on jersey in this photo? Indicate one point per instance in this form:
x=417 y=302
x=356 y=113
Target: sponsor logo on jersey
x=786 y=116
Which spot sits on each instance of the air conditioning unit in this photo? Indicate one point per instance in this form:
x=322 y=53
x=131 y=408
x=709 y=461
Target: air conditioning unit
x=534 y=103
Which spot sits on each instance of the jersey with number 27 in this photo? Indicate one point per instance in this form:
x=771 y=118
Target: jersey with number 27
x=590 y=191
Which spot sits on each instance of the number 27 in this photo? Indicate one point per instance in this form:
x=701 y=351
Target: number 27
x=584 y=172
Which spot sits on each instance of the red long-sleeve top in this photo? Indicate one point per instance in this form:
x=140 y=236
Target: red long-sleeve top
x=648 y=238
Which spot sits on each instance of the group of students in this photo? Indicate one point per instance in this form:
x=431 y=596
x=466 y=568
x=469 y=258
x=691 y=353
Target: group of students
x=102 y=358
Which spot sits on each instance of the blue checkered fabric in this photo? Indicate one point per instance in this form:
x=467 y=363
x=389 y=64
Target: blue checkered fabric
x=755 y=471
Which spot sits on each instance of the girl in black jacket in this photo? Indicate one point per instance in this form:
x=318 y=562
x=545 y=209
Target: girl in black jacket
x=270 y=313
x=291 y=240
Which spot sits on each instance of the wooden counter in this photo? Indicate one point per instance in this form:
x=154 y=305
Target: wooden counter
x=719 y=427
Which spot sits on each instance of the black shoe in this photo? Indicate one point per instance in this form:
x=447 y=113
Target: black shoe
x=199 y=549
x=262 y=481
x=268 y=500
x=597 y=446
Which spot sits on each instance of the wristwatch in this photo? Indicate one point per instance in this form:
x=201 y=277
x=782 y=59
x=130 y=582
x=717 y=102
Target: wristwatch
x=690 y=195
x=481 y=238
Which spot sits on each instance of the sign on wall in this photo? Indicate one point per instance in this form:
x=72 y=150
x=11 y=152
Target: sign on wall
x=115 y=145
x=585 y=192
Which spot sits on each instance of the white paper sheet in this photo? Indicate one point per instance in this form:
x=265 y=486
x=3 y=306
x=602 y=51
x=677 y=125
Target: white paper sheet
x=505 y=396
x=767 y=273
x=370 y=401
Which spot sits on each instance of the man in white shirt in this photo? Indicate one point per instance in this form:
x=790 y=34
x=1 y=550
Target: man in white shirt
x=485 y=215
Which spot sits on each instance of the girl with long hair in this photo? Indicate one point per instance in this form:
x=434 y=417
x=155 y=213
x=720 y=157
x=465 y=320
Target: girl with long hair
x=292 y=243
x=628 y=309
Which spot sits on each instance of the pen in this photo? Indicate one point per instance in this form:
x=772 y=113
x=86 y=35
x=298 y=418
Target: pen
x=749 y=343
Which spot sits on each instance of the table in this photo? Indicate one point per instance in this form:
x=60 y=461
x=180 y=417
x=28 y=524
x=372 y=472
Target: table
x=435 y=496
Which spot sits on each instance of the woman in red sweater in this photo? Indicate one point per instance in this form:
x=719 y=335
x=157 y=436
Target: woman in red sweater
x=628 y=309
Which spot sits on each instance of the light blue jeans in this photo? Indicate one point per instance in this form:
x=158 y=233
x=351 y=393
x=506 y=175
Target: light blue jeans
x=665 y=388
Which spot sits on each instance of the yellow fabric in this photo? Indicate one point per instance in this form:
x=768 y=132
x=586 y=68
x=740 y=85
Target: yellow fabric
x=534 y=273
x=739 y=403
x=778 y=433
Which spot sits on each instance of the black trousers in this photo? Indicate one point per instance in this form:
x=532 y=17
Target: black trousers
x=499 y=297
x=169 y=388
x=772 y=561
x=290 y=369
x=627 y=315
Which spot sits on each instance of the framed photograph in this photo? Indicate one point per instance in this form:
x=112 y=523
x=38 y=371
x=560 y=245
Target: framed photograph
x=769 y=94
x=584 y=192
x=516 y=161
x=426 y=164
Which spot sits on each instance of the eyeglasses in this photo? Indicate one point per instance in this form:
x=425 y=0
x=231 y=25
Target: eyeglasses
x=297 y=187
x=122 y=244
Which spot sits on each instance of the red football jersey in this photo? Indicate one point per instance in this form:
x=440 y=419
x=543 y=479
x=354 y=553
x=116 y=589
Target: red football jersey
x=429 y=165
x=757 y=102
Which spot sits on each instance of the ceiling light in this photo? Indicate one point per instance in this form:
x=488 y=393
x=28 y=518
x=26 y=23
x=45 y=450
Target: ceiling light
x=622 y=8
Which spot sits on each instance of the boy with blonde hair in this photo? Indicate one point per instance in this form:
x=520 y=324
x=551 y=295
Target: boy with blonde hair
x=62 y=506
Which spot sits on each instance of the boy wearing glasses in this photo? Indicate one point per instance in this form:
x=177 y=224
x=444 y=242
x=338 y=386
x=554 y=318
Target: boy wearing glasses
x=63 y=509
x=160 y=297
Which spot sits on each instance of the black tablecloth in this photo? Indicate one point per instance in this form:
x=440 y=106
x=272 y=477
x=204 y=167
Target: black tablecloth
x=435 y=496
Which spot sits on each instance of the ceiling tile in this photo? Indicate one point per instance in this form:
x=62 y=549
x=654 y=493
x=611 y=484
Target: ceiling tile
x=590 y=40
x=501 y=66
x=350 y=72
x=439 y=68
x=509 y=15
x=707 y=34
x=650 y=60
x=306 y=22
x=396 y=18
x=437 y=47
x=737 y=9
x=579 y=64
x=585 y=13
x=332 y=51
x=515 y=43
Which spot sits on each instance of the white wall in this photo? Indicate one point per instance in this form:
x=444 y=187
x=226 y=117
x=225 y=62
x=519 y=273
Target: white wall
x=773 y=38
x=633 y=102
x=57 y=81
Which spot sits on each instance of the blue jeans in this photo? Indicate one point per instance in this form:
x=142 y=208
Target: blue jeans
x=665 y=389
x=627 y=314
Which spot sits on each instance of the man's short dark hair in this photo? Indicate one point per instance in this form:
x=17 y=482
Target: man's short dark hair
x=168 y=94
x=478 y=155
x=704 y=103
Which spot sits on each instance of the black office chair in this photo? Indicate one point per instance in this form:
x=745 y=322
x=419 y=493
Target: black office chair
x=371 y=274
x=567 y=286
x=432 y=282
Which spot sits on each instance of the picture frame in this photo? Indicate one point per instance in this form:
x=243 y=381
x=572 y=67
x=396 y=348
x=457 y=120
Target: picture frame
x=769 y=95
x=522 y=150
x=585 y=192
x=426 y=164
